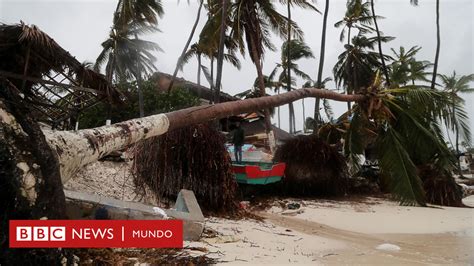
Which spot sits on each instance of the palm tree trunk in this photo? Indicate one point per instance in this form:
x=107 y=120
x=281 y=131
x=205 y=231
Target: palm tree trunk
x=349 y=43
x=288 y=68
x=138 y=77
x=349 y=36
x=180 y=59
x=199 y=70
x=141 y=106
x=290 y=117
x=456 y=131
x=220 y=54
x=212 y=79
x=279 y=121
x=438 y=44
x=304 y=116
x=317 y=114
x=379 y=41
x=257 y=59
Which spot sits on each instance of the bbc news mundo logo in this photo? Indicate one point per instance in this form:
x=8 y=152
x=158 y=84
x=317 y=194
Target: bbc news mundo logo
x=40 y=233
x=96 y=233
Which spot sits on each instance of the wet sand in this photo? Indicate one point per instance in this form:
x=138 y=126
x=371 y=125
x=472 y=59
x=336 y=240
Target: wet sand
x=345 y=232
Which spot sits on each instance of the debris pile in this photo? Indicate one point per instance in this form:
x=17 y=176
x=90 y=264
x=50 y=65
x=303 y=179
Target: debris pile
x=193 y=158
x=313 y=167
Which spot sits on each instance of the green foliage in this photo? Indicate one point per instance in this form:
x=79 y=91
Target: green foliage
x=124 y=55
x=155 y=102
x=396 y=163
x=405 y=68
x=354 y=144
x=357 y=65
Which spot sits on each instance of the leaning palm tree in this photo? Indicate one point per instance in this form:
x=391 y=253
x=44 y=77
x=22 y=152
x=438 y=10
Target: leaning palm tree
x=457 y=122
x=185 y=48
x=317 y=115
x=251 y=23
x=291 y=52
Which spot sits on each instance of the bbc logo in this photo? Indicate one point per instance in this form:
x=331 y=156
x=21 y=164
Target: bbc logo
x=41 y=233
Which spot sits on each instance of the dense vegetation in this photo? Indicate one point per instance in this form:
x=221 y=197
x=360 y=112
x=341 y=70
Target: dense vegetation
x=155 y=102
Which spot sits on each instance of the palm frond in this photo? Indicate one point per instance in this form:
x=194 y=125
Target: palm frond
x=396 y=164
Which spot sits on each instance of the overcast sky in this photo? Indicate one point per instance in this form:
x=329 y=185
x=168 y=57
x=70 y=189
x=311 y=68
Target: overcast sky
x=80 y=26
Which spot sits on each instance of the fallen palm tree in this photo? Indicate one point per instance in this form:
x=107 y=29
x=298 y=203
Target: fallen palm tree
x=185 y=158
x=313 y=167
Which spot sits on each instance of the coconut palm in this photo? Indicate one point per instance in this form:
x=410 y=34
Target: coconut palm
x=200 y=50
x=291 y=52
x=406 y=68
x=128 y=56
x=143 y=13
x=455 y=85
x=122 y=53
x=357 y=65
x=357 y=16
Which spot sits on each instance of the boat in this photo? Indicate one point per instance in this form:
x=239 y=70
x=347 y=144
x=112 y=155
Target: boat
x=258 y=173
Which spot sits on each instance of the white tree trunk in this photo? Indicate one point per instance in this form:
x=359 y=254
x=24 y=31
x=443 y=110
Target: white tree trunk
x=78 y=148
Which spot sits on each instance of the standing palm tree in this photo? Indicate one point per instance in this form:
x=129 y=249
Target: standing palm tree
x=122 y=52
x=199 y=50
x=253 y=20
x=406 y=68
x=220 y=52
x=317 y=115
x=131 y=18
x=384 y=66
x=438 y=43
x=291 y=52
x=457 y=121
x=357 y=65
x=143 y=13
x=357 y=16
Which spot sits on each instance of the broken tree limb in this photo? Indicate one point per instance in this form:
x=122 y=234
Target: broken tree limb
x=77 y=148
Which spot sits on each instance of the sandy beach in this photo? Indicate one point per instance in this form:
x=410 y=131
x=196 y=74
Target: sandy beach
x=372 y=231
x=360 y=230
